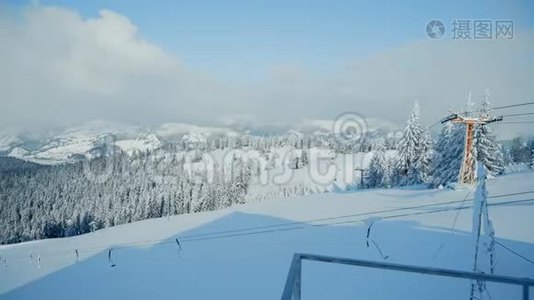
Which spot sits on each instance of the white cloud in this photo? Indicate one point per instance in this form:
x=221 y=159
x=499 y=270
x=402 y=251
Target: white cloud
x=94 y=55
x=59 y=68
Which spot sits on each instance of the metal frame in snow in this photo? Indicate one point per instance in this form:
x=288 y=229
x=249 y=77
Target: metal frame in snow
x=292 y=289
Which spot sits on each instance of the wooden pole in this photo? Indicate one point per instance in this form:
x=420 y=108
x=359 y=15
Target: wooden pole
x=467 y=172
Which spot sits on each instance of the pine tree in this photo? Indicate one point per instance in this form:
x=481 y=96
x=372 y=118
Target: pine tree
x=197 y=197
x=486 y=148
x=448 y=155
x=387 y=180
x=422 y=164
x=412 y=164
x=238 y=181
x=519 y=151
x=304 y=160
x=294 y=160
x=376 y=175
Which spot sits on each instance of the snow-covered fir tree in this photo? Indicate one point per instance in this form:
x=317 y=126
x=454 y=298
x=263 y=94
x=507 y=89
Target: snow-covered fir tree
x=377 y=174
x=486 y=148
x=448 y=154
x=298 y=159
x=304 y=159
x=422 y=164
x=413 y=150
x=519 y=151
x=389 y=172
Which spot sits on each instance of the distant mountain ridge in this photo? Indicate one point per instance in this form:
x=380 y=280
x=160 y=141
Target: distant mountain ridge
x=75 y=143
x=79 y=142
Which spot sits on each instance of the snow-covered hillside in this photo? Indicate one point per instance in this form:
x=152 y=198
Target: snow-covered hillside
x=244 y=252
x=8 y=140
x=73 y=143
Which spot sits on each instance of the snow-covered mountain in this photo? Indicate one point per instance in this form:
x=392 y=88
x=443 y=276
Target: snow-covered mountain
x=8 y=141
x=79 y=142
x=369 y=124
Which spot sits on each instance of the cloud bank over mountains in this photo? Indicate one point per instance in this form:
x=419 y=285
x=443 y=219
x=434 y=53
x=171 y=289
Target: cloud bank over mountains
x=59 y=68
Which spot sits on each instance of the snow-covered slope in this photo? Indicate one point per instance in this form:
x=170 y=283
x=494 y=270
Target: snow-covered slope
x=141 y=143
x=63 y=145
x=72 y=143
x=169 y=130
x=8 y=140
x=244 y=252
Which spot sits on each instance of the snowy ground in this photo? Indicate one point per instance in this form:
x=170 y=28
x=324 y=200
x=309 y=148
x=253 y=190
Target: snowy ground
x=222 y=260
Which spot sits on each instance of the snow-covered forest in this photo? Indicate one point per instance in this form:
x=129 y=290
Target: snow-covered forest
x=257 y=149
x=117 y=187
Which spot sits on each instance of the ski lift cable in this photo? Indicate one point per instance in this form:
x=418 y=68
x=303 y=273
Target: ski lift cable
x=340 y=222
x=433 y=125
x=520 y=114
x=216 y=234
x=513 y=105
x=459 y=209
x=498 y=118
x=306 y=222
x=517 y=122
x=502 y=107
x=159 y=243
x=453 y=226
x=303 y=224
x=514 y=252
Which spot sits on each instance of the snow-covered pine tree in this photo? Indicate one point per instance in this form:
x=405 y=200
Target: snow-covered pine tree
x=422 y=164
x=486 y=148
x=519 y=151
x=213 y=194
x=197 y=200
x=238 y=181
x=448 y=154
x=376 y=175
x=387 y=180
x=410 y=150
x=304 y=159
x=243 y=180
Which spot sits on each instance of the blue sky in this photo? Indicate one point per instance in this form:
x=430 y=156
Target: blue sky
x=242 y=39
x=268 y=62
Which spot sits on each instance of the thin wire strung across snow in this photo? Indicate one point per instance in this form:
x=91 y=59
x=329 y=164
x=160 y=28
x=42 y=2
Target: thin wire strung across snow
x=301 y=225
